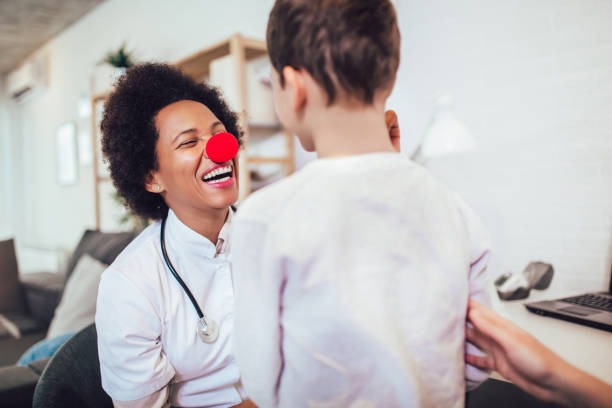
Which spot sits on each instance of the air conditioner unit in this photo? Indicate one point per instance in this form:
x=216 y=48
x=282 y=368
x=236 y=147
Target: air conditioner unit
x=27 y=80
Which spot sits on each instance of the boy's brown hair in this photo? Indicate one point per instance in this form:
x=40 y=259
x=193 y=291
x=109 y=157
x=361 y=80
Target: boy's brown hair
x=353 y=45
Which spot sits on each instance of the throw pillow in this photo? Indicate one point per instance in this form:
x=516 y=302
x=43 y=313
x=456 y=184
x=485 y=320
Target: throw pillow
x=77 y=309
x=11 y=293
x=103 y=246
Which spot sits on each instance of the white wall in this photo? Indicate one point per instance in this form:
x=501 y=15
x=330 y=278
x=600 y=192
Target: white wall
x=532 y=80
x=11 y=187
x=5 y=179
x=155 y=30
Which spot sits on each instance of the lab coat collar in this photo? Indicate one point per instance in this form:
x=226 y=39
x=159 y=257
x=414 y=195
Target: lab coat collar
x=182 y=238
x=222 y=240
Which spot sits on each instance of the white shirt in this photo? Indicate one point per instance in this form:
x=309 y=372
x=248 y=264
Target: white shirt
x=351 y=281
x=147 y=326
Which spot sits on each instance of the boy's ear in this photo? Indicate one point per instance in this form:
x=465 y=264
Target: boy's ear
x=393 y=128
x=294 y=80
x=152 y=184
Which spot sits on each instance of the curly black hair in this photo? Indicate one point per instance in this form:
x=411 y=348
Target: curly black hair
x=128 y=128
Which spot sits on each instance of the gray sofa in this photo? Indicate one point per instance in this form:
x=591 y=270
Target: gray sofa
x=30 y=304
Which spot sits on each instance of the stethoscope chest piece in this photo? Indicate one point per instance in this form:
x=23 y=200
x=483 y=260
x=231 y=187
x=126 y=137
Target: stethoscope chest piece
x=208 y=330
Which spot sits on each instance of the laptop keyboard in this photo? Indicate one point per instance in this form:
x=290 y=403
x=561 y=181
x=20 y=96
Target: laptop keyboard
x=591 y=300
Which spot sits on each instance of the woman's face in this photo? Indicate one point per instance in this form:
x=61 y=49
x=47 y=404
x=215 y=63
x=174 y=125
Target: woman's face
x=187 y=179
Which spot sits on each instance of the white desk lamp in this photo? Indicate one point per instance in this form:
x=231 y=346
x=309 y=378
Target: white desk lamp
x=445 y=134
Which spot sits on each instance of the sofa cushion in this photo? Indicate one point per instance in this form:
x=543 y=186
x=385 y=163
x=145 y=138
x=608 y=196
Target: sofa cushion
x=103 y=246
x=38 y=366
x=17 y=386
x=42 y=292
x=11 y=294
x=20 y=324
x=77 y=309
x=12 y=348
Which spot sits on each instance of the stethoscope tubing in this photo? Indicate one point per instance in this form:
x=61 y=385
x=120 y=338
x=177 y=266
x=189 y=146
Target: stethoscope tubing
x=174 y=272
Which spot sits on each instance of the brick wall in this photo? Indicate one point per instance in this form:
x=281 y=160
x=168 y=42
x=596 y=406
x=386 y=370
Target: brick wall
x=533 y=82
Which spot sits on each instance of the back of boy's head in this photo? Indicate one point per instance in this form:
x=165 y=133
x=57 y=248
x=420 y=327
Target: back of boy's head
x=348 y=46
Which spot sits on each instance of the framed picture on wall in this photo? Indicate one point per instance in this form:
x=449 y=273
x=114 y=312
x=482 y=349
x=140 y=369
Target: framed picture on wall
x=67 y=160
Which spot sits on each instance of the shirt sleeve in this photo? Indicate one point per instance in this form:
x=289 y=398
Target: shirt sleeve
x=159 y=399
x=132 y=362
x=258 y=282
x=479 y=246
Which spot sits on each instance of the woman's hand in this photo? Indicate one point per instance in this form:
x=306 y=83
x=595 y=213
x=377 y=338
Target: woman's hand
x=530 y=365
x=514 y=353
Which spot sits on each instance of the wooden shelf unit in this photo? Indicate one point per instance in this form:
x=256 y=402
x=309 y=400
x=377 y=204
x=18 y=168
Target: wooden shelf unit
x=197 y=66
x=98 y=178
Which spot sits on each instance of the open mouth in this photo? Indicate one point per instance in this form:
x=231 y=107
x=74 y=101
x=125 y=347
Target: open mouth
x=218 y=175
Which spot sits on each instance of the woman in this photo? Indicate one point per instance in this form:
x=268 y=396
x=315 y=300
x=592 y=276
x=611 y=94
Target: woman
x=155 y=129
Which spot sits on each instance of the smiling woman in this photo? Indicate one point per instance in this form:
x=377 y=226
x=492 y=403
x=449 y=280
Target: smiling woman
x=130 y=128
x=184 y=128
x=165 y=306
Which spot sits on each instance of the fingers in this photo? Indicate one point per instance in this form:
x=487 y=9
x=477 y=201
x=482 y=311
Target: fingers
x=484 y=345
x=477 y=339
x=490 y=323
x=477 y=316
x=485 y=362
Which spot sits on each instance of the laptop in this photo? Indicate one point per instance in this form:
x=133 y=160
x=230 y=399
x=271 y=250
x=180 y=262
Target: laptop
x=590 y=309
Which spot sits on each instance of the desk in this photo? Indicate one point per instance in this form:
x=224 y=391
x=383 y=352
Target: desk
x=584 y=347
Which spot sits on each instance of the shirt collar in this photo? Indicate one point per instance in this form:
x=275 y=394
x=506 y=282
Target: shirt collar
x=187 y=240
x=222 y=239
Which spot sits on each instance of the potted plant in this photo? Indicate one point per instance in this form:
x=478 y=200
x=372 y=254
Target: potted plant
x=110 y=68
x=118 y=59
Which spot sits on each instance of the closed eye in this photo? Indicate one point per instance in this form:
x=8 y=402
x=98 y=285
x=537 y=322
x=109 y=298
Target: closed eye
x=188 y=143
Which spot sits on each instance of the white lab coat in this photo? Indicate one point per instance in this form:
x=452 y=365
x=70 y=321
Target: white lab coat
x=146 y=324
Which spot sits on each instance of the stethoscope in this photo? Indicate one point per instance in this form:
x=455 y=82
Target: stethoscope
x=220 y=148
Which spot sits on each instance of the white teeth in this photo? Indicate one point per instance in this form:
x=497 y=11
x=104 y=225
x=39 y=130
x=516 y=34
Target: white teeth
x=216 y=172
x=221 y=180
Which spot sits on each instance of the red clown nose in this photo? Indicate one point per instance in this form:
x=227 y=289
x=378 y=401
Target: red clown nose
x=222 y=147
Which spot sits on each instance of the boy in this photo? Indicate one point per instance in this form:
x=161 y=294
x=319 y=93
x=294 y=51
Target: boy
x=351 y=276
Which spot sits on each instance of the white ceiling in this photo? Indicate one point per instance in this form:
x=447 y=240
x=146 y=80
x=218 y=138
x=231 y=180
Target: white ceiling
x=25 y=25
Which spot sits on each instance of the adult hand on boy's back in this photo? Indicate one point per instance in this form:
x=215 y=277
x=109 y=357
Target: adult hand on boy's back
x=530 y=365
x=514 y=353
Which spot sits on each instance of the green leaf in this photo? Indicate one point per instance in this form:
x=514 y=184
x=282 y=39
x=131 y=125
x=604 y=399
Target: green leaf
x=120 y=58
